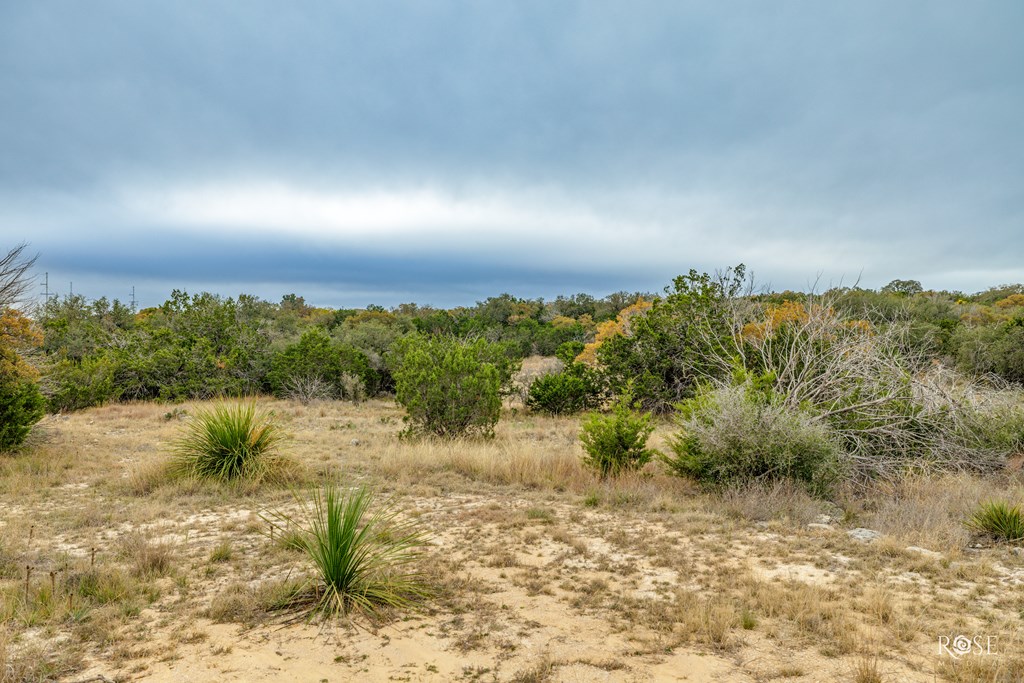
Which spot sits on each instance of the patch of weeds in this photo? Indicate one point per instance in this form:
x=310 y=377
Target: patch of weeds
x=147 y=558
x=540 y=515
x=222 y=552
x=865 y=670
x=541 y=672
x=176 y=413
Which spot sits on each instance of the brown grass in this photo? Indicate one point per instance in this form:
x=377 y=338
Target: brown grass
x=536 y=560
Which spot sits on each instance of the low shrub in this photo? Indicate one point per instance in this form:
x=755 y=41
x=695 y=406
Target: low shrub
x=999 y=520
x=227 y=443
x=575 y=389
x=617 y=442
x=739 y=434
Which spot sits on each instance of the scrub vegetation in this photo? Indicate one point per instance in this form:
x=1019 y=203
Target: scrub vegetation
x=737 y=484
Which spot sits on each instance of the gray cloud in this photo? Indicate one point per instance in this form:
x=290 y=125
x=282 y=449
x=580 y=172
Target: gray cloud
x=871 y=137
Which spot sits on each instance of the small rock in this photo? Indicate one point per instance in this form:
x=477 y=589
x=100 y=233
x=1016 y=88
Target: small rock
x=863 y=535
x=820 y=526
x=922 y=551
x=355 y=442
x=826 y=519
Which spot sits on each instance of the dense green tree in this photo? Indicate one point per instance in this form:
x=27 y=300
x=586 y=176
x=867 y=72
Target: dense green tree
x=449 y=387
x=675 y=344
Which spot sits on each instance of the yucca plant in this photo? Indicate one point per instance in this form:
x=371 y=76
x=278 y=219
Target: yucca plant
x=363 y=560
x=1000 y=520
x=228 y=443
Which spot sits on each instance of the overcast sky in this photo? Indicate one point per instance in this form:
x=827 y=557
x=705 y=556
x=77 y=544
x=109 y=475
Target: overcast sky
x=442 y=152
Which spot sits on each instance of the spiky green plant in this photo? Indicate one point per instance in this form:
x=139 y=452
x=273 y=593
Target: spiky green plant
x=228 y=443
x=1002 y=521
x=363 y=560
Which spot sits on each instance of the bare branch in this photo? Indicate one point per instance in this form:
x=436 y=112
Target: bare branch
x=15 y=280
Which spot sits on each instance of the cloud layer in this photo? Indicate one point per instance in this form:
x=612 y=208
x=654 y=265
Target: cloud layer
x=445 y=151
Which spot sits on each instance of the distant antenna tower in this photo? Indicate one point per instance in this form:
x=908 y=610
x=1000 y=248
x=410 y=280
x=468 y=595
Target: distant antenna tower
x=46 y=288
x=133 y=297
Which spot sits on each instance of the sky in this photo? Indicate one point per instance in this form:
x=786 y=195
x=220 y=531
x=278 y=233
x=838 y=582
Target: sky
x=441 y=152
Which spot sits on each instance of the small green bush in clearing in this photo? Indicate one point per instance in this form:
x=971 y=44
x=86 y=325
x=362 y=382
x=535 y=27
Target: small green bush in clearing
x=617 y=442
x=363 y=560
x=743 y=433
x=228 y=443
x=999 y=520
x=449 y=387
x=574 y=389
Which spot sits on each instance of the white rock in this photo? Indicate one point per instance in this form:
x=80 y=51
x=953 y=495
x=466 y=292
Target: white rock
x=864 y=535
x=922 y=551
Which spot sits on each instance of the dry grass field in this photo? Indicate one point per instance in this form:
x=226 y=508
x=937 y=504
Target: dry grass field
x=539 y=571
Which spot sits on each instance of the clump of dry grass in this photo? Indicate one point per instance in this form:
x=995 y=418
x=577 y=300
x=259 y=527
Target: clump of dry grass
x=785 y=500
x=865 y=670
x=929 y=511
x=147 y=558
x=32 y=662
x=501 y=461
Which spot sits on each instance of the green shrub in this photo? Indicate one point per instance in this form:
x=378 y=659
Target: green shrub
x=669 y=348
x=999 y=520
x=996 y=349
x=317 y=367
x=77 y=385
x=228 y=443
x=617 y=442
x=740 y=434
x=21 y=406
x=363 y=560
x=449 y=387
x=574 y=389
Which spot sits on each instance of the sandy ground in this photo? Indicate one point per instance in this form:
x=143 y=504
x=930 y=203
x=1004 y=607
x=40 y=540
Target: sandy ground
x=536 y=579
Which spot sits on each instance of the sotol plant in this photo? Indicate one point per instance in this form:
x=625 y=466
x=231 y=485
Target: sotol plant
x=228 y=443
x=1000 y=520
x=363 y=560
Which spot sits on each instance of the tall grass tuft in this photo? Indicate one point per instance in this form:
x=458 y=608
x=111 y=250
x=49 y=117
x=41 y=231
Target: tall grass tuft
x=1000 y=520
x=364 y=560
x=228 y=443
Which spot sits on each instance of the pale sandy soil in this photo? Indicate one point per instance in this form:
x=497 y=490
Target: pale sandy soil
x=541 y=572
